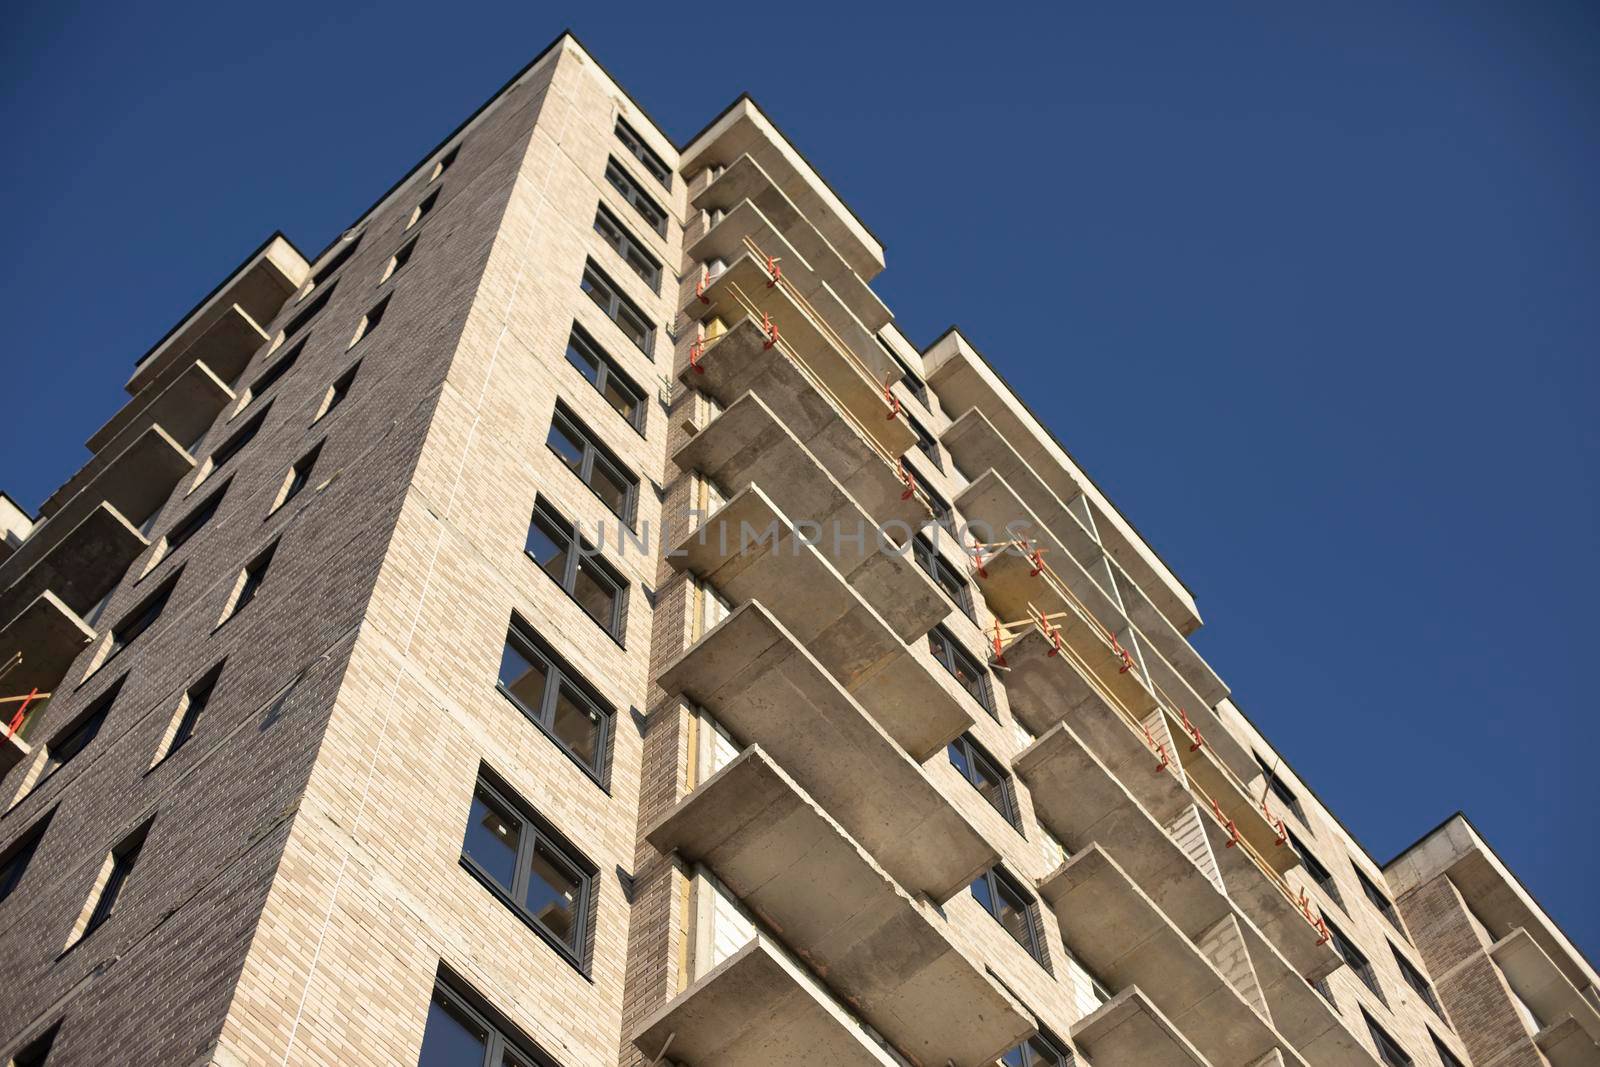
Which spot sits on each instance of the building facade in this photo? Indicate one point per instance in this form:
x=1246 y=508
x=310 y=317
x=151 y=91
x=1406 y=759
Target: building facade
x=566 y=622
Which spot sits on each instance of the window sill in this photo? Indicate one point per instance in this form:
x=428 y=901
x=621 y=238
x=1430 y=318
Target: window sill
x=560 y=947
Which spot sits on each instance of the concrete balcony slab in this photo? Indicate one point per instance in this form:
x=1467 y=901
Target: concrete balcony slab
x=48 y=636
x=185 y=407
x=1129 y=1031
x=748 y=445
x=1541 y=984
x=757 y=1008
x=881 y=950
x=751 y=551
x=1298 y=1011
x=1249 y=814
x=767 y=689
x=81 y=567
x=1568 y=1044
x=744 y=290
x=1120 y=934
x=744 y=179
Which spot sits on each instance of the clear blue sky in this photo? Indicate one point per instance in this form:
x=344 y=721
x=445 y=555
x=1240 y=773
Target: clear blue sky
x=1313 y=294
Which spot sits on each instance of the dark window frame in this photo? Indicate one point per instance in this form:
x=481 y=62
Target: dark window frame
x=596 y=280
x=197 y=695
x=273 y=373
x=943 y=512
x=620 y=241
x=956 y=658
x=575 y=430
x=1440 y=1049
x=643 y=153
x=369 y=324
x=936 y=567
x=1280 y=788
x=339 y=388
x=1389 y=1050
x=926 y=444
x=303 y=317
x=977 y=756
x=536 y=829
x=909 y=378
x=530 y=646
x=996 y=879
x=255 y=576
x=337 y=260
x=124 y=859
x=578 y=550
x=237 y=441
x=628 y=187
x=19 y=854
x=608 y=372
x=502 y=1040
x=299 y=473
x=194 y=520
x=1314 y=867
x=1413 y=977
x=1355 y=959
x=1380 y=900
x=1054 y=1048
x=141 y=617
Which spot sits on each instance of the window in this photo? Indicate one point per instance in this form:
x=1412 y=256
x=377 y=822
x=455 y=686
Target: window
x=1379 y=900
x=1013 y=908
x=141 y=618
x=420 y=212
x=634 y=194
x=37 y=1051
x=337 y=260
x=297 y=476
x=399 y=260
x=309 y=312
x=369 y=321
x=618 y=308
x=962 y=667
x=1279 y=788
x=444 y=163
x=1446 y=1057
x=550 y=694
x=269 y=377
x=639 y=150
x=942 y=512
x=571 y=441
x=461 y=1035
x=1417 y=981
x=520 y=856
x=15 y=862
x=1313 y=866
x=223 y=453
x=1354 y=959
x=912 y=380
x=114 y=879
x=553 y=543
x=60 y=750
x=642 y=263
x=925 y=442
x=1037 y=1051
x=249 y=583
x=608 y=380
x=981 y=769
x=190 y=524
x=944 y=576
x=338 y=390
x=190 y=707
x=1389 y=1050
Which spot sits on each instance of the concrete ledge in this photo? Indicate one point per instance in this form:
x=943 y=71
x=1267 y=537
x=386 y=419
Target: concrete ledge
x=748 y=445
x=1298 y=1010
x=757 y=1008
x=81 y=567
x=751 y=551
x=1536 y=978
x=1568 y=1044
x=49 y=635
x=1204 y=770
x=881 y=950
x=1123 y=937
x=744 y=179
x=819 y=375
x=1129 y=1031
x=766 y=689
x=185 y=406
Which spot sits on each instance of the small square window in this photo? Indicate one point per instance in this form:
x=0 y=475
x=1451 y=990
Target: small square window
x=556 y=700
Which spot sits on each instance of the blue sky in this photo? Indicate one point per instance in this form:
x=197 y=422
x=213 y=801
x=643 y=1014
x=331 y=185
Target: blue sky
x=1310 y=292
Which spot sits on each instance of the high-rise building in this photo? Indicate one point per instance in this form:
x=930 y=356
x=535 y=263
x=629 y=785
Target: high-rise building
x=566 y=621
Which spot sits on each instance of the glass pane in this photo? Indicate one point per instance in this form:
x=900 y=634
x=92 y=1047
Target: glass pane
x=958 y=759
x=523 y=678
x=1042 y=1053
x=596 y=592
x=577 y=724
x=565 y=446
x=1017 y=1057
x=1013 y=914
x=641 y=264
x=492 y=839
x=598 y=291
x=547 y=544
x=587 y=364
x=451 y=1039
x=553 y=894
x=981 y=893
x=610 y=487
x=990 y=783
x=620 y=398
x=604 y=228
x=632 y=325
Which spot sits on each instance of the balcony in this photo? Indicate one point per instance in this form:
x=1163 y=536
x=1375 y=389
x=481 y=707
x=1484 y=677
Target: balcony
x=964 y=380
x=185 y=407
x=135 y=483
x=80 y=567
x=757 y=1008
x=882 y=951
x=1298 y=1010
x=1551 y=996
x=745 y=180
x=747 y=445
x=977 y=446
x=768 y=690
x=15 y=524
x=39 y=643
x=225 y=329
x=1129 y=1031
x=1120 y=934
x=752 y=551
x=742 y=130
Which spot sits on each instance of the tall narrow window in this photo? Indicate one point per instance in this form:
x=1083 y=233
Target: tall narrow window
x=602 y=372
x=1354 y=959
x=463 y=1032
x=14 y=863
x=634 y=194
x=249 y=583
x=420 y=212
x=77 y=735
x=962 y=667
x=943 y=574
x=1389 y=1050
x=554 y=699
x=140 y=619
x=399 y=260
x=191 y=524
x=111 y=884
x=909 y=378
x=310 y=311
x=553 y=543
x=338 y=391
x=633 y=254
x=618 y=308
x=639 y=150
x=369 y=321
x=37 y=1051
x=270 y=377
x=943 y=513
x=296 y=477
x=223 y=453
x=1446 y=1057
x=1379 y=900
x=332 y=264
x=1014 y=908
x=983 y=771
x=444 y=163
x=1319 y=874
x=1417 y=981
x=519 y=855
x=1280 y=788
x=925 y=442
x=570 y=440
x=187 y=714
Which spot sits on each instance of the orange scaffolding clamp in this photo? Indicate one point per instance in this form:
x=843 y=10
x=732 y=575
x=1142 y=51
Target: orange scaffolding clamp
x=769 y=328
x=697 y=350
x=1051 y=632
x=774 y=270
x=1159 y=748
x=1276 y=823
x=977 y=557
x=1116 y=647
x=700 y=286
x=905 y=476
x=1036 y=560
x=21 y=715
x=1194 y=732
x=893 y=401
x=1314 y=920
x=1227 y=823
x=999 y=645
